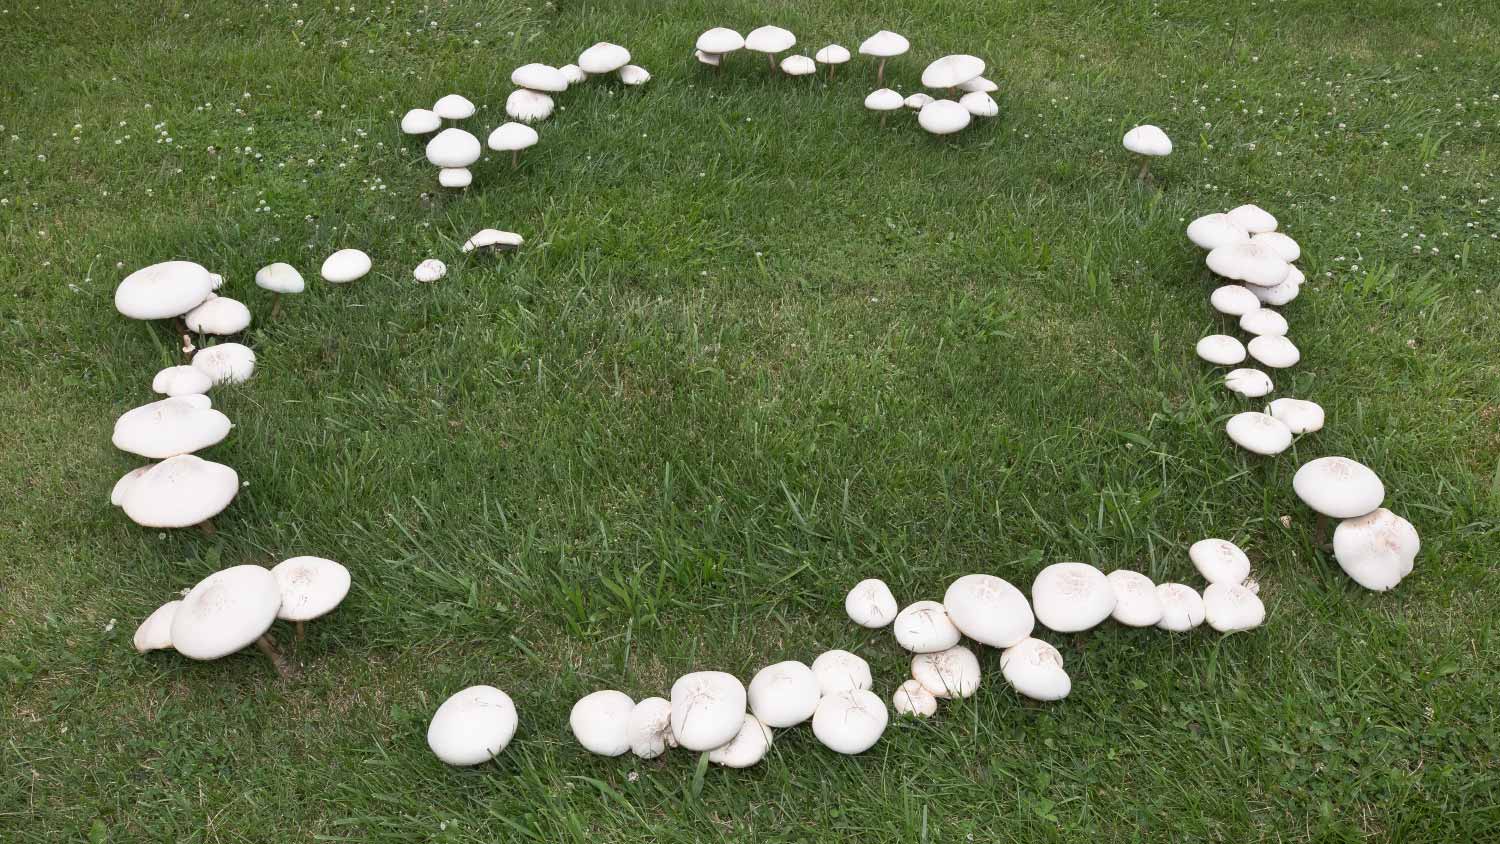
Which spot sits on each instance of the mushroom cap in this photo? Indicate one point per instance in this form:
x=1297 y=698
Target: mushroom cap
x=216 y=280
x=1259 y=433
x=430 y=270
x=1148 y=140
x=953 y=673
x=1252 y=218
x=952 y=71
x=1338 y=487
x=943 y=117
x=980 y=104
x=1136 y=601
x=453 y=148
x=1229 y=607
x=310 y=587
x=720 y=40
x=1221 y=349
x=924 y=627
x=912 y=698
x=472 y=726
x=1303 y=417
x=634 y=74
x=708 y=709
x=226 y=611
x=916 y=101
x=1250 y=262
x=1279 y=243
x=226 y=363
x=280 y=277
x=989 y=610
x=883 y=99
x=885 y=44
x=798 y=66
x=512 y=136
x=603 y=57
x=784 y=694
x=1069 y=597
x=181 y=380
x=169 y=427
x=601 y=722
x=1181 y=607
x=420 y=121
x=832 y=54
x=126 y=481
x=1233 y=300
x=155 y=633
x=650 y=728
x=348 y=265
x=493 y=239
x=180 y=492
x=770 y=39
x=839 y=671
x=219 y=315
x=162 y=291
x=1035 y=669
x=748 y=746
x=978 y=83
x=870 y=604
x=529 y=106
x=573 y=73
x=850 y=722
x=1263 y=320
x=1251 y=383
x=710 y=59
x=1278 y=295
x=455 y=177
x=453 y=107
x=1219 y=561
x=1377 y=549
x=542 y=77
x=1274 y=350
x=1214 y=230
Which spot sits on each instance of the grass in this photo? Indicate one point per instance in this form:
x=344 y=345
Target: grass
x=755 y=350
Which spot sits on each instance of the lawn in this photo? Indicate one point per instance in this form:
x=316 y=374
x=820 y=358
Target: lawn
x=755 y=349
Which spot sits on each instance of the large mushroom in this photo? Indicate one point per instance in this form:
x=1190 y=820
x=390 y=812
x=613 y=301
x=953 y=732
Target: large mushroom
x=784 y=694
x=311 y=587
x=949 y=72
x=348 y=265
x=163 y=291
x=1337 y=487
x=1377 y=549
x=770 y=40
x=601 y=722
x=603 y=57
x=472 y=726
x=850 y=722
x=989 y=610
x=924 y=627
x=180 y=492
x=943 y=117
x=169 y=427
x=708 y=709
x=227 y=611
x=713 y=44
x=1071 y=597
x=884 y=45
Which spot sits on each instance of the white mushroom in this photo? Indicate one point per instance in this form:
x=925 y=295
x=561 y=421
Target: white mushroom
x=980 y=104
x=1282 y=293
x=708 y=709
x=1252 y=218
x=785 y=694
x=634 y=75
x=512 y=138
x=770 y=40
x=493 y=240
x=1250 y=262
x=528 y=106
x=1214 y=230
x=884 y=45
x=541 y=77
x=1280 y=244
x=1263 y=321
x=603 y=57
x=155 y=633
x=169 y=427
x=710 y=59
x=1136 y=601
x=1251 y=383
x=912 y=698
x=980 y=84
x=573 y=74
x=430 y=270
x=1035 y=669
x=798 y=66
x=126 y=481
x=720 y=40
x=884 y=101
x=163 y=291
x=988 y=610
x=420 y=121
x=918 y=100
x=472 y=726
x=1303 y=417
x=1274 y=350
x=1377 y=549
x=453 y=107
x=1070 y=597
x=1229 y=607
x=455 y=177
x=951 y=71
x=943 y=117
x=840 y=671
x=1219 y=561
x=1221 y=349
x=953 y=673
x=1233 y=300
x=226 y=611
x=181 y=381
x=279 y=278
x=311 y=587
x=601 y=722
x=346 y=265
x=1181 y=607
x=1258 y=433
x=180 y=492
x=869 y=604
x=218 y=315
x=748 y=746
x=226 y=363
x=453 y=149
x=650 y=728
x=832 y=55
x=1147 y=141
x=850 y=722
x=924 y=627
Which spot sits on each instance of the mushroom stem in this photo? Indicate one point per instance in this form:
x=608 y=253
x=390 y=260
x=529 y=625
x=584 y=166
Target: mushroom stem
x=880 y=73
x=207 y=526
x=830 y=71
x=301 y=631
x=515 y=159
x=882 y=118
x=265 y=646
x=1145 y=174
x=1320 y=533
x=275 y=304
x=771 y=57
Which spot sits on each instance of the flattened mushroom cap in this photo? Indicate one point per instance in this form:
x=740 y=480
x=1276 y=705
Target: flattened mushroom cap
x=770 y=39
x=1035 y=669
x=472 y=726
x=1148 y=140
x=883 y=99
x=1219 y=561
x=1214 y=230
x=493 y=239
x=226 y=363
x=989 y=610
x=1070 y=597
x=650 y=728
x=512 y=136
x=1274 y=350
x=1181 y=607
x=708 y=709
x=1303 y=417
x=953 y=673
x=720 y=40
x=603 y=57
x=850 y=722
x=885 y=44
x=1258 y=433
x=454 y=107
x=952 y=71
x=169 y=427
x=1250 y=262
x=1263 y=321
x=1251 y=383
x=784 y=694
x=1234 y=300
x=163 y=291
x=348 y=265
x=1338 y=487
x=1220 y=349
x=218 y=315
x=979 y=104
x=280 y=277
x=541 y=77
x=601 y=722
x=870 y=604
x=1377 y=549
x=453 y=148
x=748 y=746
x=923 y=627
x=179 y=492
x=1229 y=607
x=840 y=671
x=1136 y=601
x=420 y=121
x=181 y=380
x=1252 y=218
x=943 y=117
x=126 y=481
x=155 y=633
x=310 y=587
x=912 y=698
x=225 y=612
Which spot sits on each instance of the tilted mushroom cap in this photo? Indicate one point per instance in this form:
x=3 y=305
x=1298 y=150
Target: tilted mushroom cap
x=226 y=611
x=1181 y=607
x=912 y=698
x=770 y=39
x=529 y=106
x=603 y=57
x=883 y=99
x=126 y=481
x=840 y=671
x=917 y=101
x=924 y=627
x=1219 y=561
x=832 y=54
x=1136 y=601
x=953 y=673
x=1214 y=230
x=453 y=148
x=1303 y=417
x=169 y=427
x=1148 y=140
x=1035 y=669
x=180 y=491
x=541 y=77
x=1250 y=262
x=784 y=694
x=348 y=265
x=181 y=381
x=219 y=315
x=1221 y=349
x=885 y=44
x=943 y=117
x=280 y=277
x=708 y=709
x=453 y=107
x=720 y=40
x=634 y=74
x=979 y=104
x=1377 y=549
x=1280 y=244
x=310 y=587
x=472 y=726
x=1338 y=487
x=574 y=74
x=1229 y=607
x=1251 y=383
x=155 y=633
x=1283 y=292
x=1263 y=320
x=1274 y=350
x=850 y=722
x=420 y=121
x=870 y=604
x=989 y=610
x=748 y=746
x=493 y=239
x=980 y=84
x=1069 y=597
x=1252 y=218
x=952 y=71
x=601 y=722
x=226 y=363
x=711 y=59
x=1258 y=433
x=650 y=728
x=798 y=66
x=512 y=136
x=162 y=291
x=1234 y=300
x=430 y=270
x=455 y=177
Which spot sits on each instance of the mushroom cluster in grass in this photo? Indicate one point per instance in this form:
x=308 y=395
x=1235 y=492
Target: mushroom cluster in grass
x=169 y=427
x=1148 y=142
x=1340 y=488
x=1071 y=597
x=311 y=587
x=279 y=278
x=348 y=265
x=770 y=40
x=601 y=722
x=226 y=612
x=472 y=726
x=884 y=45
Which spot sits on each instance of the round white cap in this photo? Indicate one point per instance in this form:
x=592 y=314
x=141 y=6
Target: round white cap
x=850 y=722
x=348 y=265
x=472 y=726
x=162 y=291
x=748 y=746
x=172 y=426
x=784 y=694
x=1148 y=140
x=226 y=363
x=1069 y=597
x=1229 y=607
x=943 y=117
x=1035 y=669
x=870 y=604
x=529 y=106
x=453 y=148
x=708 y=709
x=720 y=40
x=179 y=492
x=310 y=587
x=953 y=673
x=1136 y=601
x=952 y=71
x=841 y=671
x=989 y=610
x=420 y=121
x=924 y=627
x=602 y=58
x=1181 y=607
x=601 y=722
x=912 y=698
x=226 y=611
x=1338 y=487
x=770 y=39
x=1377 y=550
x=453 y=107
x=280 y=277
x=650 y=728
x=1219 y=561
x=1258 y=433
x=885 y=44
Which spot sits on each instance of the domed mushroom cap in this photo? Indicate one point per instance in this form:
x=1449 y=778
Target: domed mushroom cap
x=1136 y=601
x=348 y=265
x=181 y=381
x=1302 y=417
x=784 y=694
x=770 y=39
x=850 y=722
x=1234 y=300
x=529 y=106
x=162 y=291
x=980 y=84
x=1220 y=349
x=603 y=57
x=720 y=40
x=1230 y=607
x=1148 y=140
x=650 y=728
x=280 y=277
x=226 y=611
x=1250 y=262
x=749 y=746
x=420 y=121
x=493 y=239
x=988 y=610
x=1252 y=218
x=155 y=633
x=310 y=587
x=1035 y=669
x=1258 y=433
x=573 y=73
x=953 y=673
x=832 y=54
x=634 y=74
x=1181 y=607
x=472 y=726
x=179 y=492
x=952 y=71
x=839 y=671
x=870 y=604
x=885 y=44
x=512 y=136
x=980 y=104
x=1251 y=383
x=918 y=101
x=455 y=177
x=226 y=363
x=883 y=99
x=924 y=627
x=541 y=77
x=1069 y=597
x=1377 y=550
x=1274 y=351
x=708 y=709
x=172 y=426
x=798 y=66
x=1279 y=243
x=430 y=270
x=452 y=149
x=218 y=315
x=1214 y=230
x=1219 y=561
x=1263 y=320
x=912 y=698
x=710 y=59
x=126 y=481
x=943 y=117
x=453 y=107
x=601 y=722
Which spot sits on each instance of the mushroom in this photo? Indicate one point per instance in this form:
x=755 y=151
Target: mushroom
x=455 y=177
x=603 y=57
x=126 y=481
x=180 y=492
x=528 y=106
x=1229 y=607
x=840 y=671
x=634 y=75
x=542 y=77
x=924 y=627
x=912 y=698
x=850 y=722
x=1258 y=433
x=1181 y=607
x=226 y=363
x=348 y=265
x=1071 y=597
x=1219 y=561
x=650 y=728
x=798 y=66
x=453 y=149
x=980 y=84
x=279 y=278
x=884 y=45
x=748 y=746
x=1303 y=417
x=710 y=59
x=311 y=587
x=1280 y=244
x=1250 y=262
x=512 y=138
x=1233 y=300
x=918 y=100
x=169 y=427
x=453 y=107
x=601 y=722
x=949 y=72
x=943 y=117
x=785 y=694
x=155 y=633
x=980 y=104
x=1274 y=350
x=163 y=291
x=988 y=610
x=181 y=381
x=884 y=101
x=1283 y=292
x=420 y=121
x=573 y=74
x=1377 y=549
x=832 y=55
x=770 y=40
x=1263 y=321
x=228 y=610
x=708 y=709
x=1250 y=383
x=1214 y=230
x=869 y=604
x=472 y=726
x=953 y=673
x=1252 y=218
x=1337 y=487
x=1136 y=601
x=1035 y=669
x=493 y=240
x=716 y=42
x=430 y=270
x=1148 y=142
x=1221 y=349
x=218 y=315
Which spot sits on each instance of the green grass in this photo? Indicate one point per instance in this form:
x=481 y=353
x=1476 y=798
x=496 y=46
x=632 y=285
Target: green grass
x=755 y=349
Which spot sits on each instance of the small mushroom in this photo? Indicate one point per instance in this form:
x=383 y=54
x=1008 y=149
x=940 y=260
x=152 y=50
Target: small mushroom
x=279 y=278
x=1377 y=549
x=472 y=726
x=454 y=107
x=708 y=709
x=430 y=270
x=1250 y=383
x=850 y=722
x=601 y=722
x=574 y=74
x=348 y=265
x=528 y=106
x=884 y=45
x=155 y=633
x=912 y=698
x=953 y=673
x=884 y=101
x=1229 y=607
x=979 y=84
x=453 y=149
x=493 y=240
x=603 y=57
x=226 y=363
x=226 y=611
x=218 y=315
x=943 y=117
x=420 y=121
x=1282 y=293
x=1250 y=262
x=1214 y=230
x=1303 y=417
x=650 y=728
x=949 y=72
x=785 y=694
x=832 y=55
x=1136 y=602
x=748 y=747
x=716 y=42
x=541 y=77
x=840 y=671
x=924 y=627
x=798 y=66
x=917 y=101
x=1035 y=669
x=1252 y=218
x=1181 y=607
x=1219 y=561
x=1148 y=142
x=1339 y=488
x=634 y=75
x=770 y=40
x=1233 y=300
x=162 y=291
x=1263 y=321
x=988 y=610
x=1258 y=433
x=311 y=587
x=1221 y=349
x=181 y=381
x=869 y=604
x=980 y=104
x=169 y=427
x=1274 y=350
x=1071 y=597
x=710 y=59
x=512 y=138
x=455 y=177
